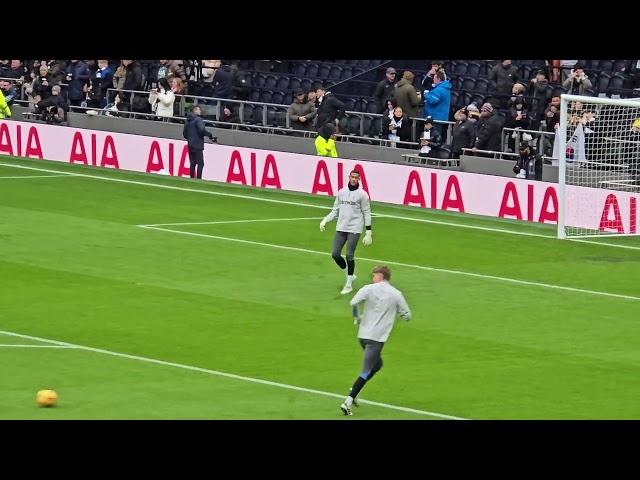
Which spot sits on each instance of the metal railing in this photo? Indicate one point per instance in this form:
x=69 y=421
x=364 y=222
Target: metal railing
x=538 y=135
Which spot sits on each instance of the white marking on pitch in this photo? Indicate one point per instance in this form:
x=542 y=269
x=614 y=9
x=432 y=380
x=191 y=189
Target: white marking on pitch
x=299 y=204
x=390 y=262
x=223 y=222
x=11 y=345
x=32 y=176
x=225 y=374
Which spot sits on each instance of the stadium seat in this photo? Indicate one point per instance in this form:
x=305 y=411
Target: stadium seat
x=482 y=85
x=360 y=105
x=312 y=70
x=270 y=82
x=254 y=96
x=468 y=84
x=323 y=71
x=460 y=68
x=606 y=66
x=353 y=125
x=300 y=69
x=278 y=97
x=477 y=99
x=372 y=107
x=248 y=113
x=265 y=96
x=375 y=127
x=603 y=82
x=294 y=83
x=335 y=72
x=306 y=84
x=346 y=73
x=618 y=65
x=473 y=69
x=349 y=104
x=283 y=83
x=365 y=89
x=259 y=80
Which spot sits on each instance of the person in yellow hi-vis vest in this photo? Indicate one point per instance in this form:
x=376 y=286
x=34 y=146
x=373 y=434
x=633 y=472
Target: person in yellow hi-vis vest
x=325 y=144
x=5 y=112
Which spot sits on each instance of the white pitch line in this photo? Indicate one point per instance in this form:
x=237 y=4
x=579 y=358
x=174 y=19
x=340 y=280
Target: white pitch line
x=33 y=176
x=36 y=346
x=222 y=222
x=299 y=204
x=593 y=242
x=228 y=375
x=408 y=265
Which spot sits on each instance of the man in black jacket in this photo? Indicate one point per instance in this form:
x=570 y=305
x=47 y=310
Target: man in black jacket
x=384 y=90
x=329 y=108
x=529 y=165
x=463 y=134
x=489 y=129
x=195 y=132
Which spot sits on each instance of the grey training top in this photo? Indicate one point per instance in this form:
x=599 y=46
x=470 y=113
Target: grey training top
x=354 y=210
x=382 y=302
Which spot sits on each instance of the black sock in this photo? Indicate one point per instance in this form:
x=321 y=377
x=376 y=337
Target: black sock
x=340 y=261
x=351 y=264
x=357 y=386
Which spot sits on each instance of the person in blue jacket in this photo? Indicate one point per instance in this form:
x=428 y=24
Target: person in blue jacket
x=437 y=101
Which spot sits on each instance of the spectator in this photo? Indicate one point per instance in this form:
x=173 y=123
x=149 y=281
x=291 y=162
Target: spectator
x=241 y=88
x=4 y=67
x=406 y=95
x=76 y=76
x=222 y=80
x=502 y=77
x=325 y=143
x=57 y=69
x=565 y=67
x=179 y=89
x=398 y=127
x=551 y=118
x=100 y=82
x=430 y=140
x=54 y=108
x=438 y=101
x=385 y=89
x=16 y=71
x=391 y=106
x=329 y=108
x=175 y=69
x=119 y=76
x=427 y=79
x=311 y=96
x=9 y=92
x=518 y=108
x=133 y=81
x=301 y=113
x=529 y=165
x=538 y=90
x=5 y=111
x=41 y=86
x=162 y=99
x=194 y=131
x=577 y=82
x=489 y=128
x=229 y=115
x=463 y=134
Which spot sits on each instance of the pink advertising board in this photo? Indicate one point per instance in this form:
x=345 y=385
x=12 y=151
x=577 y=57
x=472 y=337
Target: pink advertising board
x=397 y=184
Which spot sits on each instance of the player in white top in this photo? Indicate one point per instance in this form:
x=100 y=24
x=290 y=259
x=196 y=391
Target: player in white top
x=353 y=211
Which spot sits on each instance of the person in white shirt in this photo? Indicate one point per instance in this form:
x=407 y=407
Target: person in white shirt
x=382 y=302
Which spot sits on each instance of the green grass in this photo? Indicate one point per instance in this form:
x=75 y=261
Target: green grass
x=76 y=268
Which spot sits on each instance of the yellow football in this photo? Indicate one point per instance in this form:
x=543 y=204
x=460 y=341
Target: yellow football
x=46 y=398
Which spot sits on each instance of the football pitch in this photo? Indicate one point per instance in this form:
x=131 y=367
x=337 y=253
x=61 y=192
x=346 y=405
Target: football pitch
x=139 y=296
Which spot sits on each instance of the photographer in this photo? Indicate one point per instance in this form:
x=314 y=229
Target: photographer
x=53 y=109
x=529 y=165
x=577 y=82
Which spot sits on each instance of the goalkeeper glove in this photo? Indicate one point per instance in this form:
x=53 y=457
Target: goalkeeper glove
x=323 y=223
x=367 y=238
x=357 y=320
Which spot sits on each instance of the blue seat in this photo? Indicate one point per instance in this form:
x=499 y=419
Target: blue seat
x=346 y=73
x=603 y=82
x=294 y=83
x=300 y=69
x=473 y=69
x=468 y=84
x=323 y=71
x=372 y=107
x=460 y=68
x=278 y=97
x=349 y=104
x=259 y=80
x=312 y=70
x=606 y=66
x=353 y=125
x=306 y=84
x=482 y=85
x=270 y=82
x=335 y=72
x=265 y=96
x=283 y=83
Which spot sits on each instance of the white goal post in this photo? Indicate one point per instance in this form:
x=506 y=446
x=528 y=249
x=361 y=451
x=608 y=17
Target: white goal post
x=598 y=151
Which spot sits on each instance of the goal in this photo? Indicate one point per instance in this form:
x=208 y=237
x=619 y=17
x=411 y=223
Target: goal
x=598 y=149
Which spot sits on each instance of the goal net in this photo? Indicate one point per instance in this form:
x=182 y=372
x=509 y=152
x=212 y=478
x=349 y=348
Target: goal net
x=598 y=148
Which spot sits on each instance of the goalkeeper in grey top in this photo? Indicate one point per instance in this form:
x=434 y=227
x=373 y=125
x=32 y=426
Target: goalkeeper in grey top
x=353 y=212
x=382 y=302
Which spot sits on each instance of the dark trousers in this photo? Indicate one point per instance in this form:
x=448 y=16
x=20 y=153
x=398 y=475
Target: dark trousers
x=196 y=159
